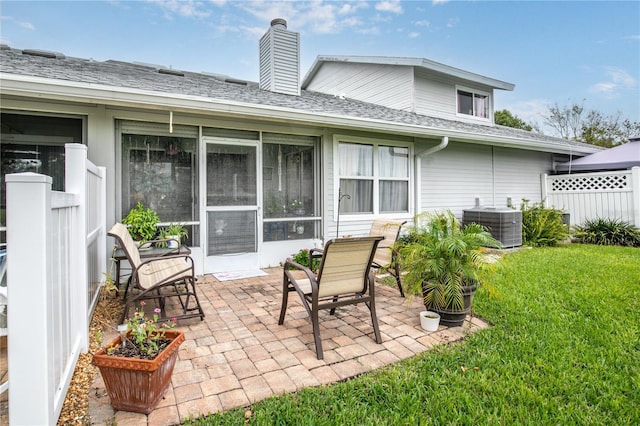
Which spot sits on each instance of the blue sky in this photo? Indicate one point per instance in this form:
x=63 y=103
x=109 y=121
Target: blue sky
x=554 y=52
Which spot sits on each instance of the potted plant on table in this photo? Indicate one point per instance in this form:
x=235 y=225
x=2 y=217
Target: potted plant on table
x=137 y=365
x=174 y=233
x=443 y=262
x=141 y=223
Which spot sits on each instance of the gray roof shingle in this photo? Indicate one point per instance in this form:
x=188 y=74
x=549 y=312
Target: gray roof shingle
x=208 y=86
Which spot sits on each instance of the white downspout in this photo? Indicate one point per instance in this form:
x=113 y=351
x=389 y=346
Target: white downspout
x=418 y=163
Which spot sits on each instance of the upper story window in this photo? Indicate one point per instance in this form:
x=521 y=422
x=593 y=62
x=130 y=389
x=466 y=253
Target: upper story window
x=376 y=178
x=473 y=103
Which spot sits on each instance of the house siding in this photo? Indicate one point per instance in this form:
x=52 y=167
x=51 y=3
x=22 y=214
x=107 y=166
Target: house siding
x=435 y=96
x=518 y=174
x=387 y=85
x=454 y=177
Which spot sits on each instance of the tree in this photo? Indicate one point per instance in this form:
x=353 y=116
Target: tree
x=567 y=121
x=573 y=122
x=608 y=131
x=505 y=118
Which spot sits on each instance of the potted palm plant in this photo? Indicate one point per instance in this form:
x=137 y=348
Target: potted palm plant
x=443 y=262
x=137 y=366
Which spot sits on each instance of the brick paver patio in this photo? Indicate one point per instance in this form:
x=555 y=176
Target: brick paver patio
x=240 y=355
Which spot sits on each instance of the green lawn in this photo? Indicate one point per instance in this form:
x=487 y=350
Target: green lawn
x=564 y=349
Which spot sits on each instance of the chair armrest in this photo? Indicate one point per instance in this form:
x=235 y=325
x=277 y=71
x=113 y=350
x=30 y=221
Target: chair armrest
x=319 y=251
x=291 y=264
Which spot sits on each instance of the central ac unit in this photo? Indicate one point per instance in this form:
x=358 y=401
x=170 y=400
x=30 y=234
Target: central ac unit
x=504 y=224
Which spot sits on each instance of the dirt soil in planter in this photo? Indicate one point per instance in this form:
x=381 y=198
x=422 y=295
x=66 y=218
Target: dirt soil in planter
x=130 y=351
x=75 y=410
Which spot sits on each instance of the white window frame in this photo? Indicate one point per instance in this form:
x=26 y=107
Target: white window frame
x=337 y=139
x=474 y=92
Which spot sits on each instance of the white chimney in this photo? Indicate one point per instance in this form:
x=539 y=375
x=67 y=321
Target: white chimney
x=280 y=59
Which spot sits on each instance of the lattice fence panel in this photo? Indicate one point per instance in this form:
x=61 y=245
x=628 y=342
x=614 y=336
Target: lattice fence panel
x=590 y=183
x=595 y=195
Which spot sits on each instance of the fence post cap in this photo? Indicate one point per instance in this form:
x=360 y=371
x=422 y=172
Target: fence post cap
x=28 y=177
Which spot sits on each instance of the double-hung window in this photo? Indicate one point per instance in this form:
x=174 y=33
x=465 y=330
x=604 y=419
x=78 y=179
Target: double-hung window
x=374 y=178
x=471 y=102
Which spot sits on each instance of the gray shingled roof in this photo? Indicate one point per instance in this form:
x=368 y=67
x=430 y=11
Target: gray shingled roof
x=136 y=77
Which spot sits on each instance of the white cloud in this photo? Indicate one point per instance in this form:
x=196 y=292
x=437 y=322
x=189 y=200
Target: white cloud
x=617 y=81
x=23 y=24
x=26 y=25
x=317 y=17
x=348 y=8
x=437 y=2
x=185 y=8
x=413 y=34
x=422 y=23
x=531 y=111
x=620 y=76
x=368 y=31
x=453 y=22
x=393 y=6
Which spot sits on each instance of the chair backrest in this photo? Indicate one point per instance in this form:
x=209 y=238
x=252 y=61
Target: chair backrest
x=390 y=230
x=345 y=265
x=120 y=233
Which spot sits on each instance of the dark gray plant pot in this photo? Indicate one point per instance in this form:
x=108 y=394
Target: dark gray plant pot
x=455 y=318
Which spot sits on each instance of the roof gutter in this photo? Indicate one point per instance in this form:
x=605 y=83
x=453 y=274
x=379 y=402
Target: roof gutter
x=418 y=166
x=442 y=145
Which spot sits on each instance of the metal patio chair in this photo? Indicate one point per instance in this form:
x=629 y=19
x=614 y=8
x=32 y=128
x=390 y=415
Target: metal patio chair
x=344 y=278
x=158 y=278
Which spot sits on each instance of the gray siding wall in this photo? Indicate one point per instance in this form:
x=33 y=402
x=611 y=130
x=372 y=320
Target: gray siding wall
x=435 y=96
x=387 y=85
x=454 y=177
x=518 y=174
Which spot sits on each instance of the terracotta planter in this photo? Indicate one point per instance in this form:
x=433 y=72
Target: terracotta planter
x=138 y=384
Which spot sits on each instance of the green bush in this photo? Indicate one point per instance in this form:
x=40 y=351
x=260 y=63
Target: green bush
x=302 y=258
x=141 y=223
x=608 y=232
x=542 y=226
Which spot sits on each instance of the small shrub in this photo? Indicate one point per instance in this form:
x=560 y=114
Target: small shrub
x=141 y=223
x=302 y=257
x=542 y=226
x=608 y=232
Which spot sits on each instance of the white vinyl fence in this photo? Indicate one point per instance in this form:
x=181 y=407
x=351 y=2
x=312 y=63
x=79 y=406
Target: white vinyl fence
x=585 y=196
x=56 y=255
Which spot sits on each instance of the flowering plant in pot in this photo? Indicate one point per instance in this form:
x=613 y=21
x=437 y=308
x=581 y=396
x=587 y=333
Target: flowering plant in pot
x=137 y=365
x=443 y=262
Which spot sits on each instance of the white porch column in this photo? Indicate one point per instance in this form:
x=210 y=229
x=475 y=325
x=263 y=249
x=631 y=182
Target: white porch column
x=31 y=376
